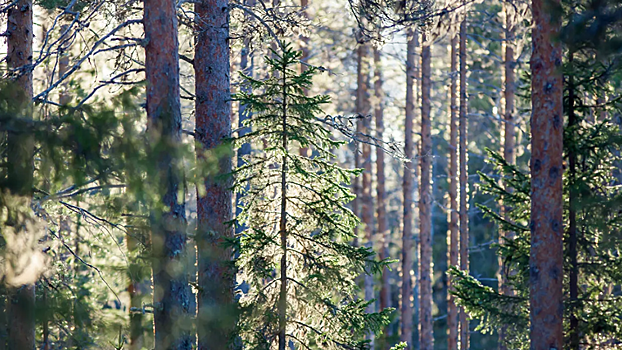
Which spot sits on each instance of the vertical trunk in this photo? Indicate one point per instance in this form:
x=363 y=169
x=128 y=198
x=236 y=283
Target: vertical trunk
x=572 y=217
x=246 y=66
x=452 y=310
x=136 y=318
x=546 y=257
x=283 y=224
x=406 y=334
x=216 y=319
x=381 y=211
x=63 y=64
x=508 y=148
x=20 y=148
x=426 y=334
x=171 y=290
x=464 y=214
x=363 y=109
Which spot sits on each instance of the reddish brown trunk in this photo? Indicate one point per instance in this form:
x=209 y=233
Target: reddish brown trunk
x=171 y=290
x=546 y=257
x=406 y=322
x=452 y=310
x=426 y=334
x=381 y=211
x=211 y=63
x=508 y=149
x=21 y=301
x=572 y=218
x=464 y=214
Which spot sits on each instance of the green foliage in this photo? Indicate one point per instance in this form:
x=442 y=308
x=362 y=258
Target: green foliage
x=322 y=311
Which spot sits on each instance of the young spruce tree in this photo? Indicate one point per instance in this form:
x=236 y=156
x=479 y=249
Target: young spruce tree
x=295 y=253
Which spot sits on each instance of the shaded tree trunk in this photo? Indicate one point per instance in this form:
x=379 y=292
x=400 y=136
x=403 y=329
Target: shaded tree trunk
x=546 y=257
x=171 y=290
x=381 y=210
x=133 y=289
x=452 y=310
x=426 y=334
x=464 y=214
x=508 y=147
x=572 y=217
x=406 y=322
x=20 y=167
x=216 y=316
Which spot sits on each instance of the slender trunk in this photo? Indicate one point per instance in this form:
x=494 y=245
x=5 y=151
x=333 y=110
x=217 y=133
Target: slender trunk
x=136 y=318
x=572 y=217
x=20 y=149
x=464 y=214
x=426 y=335
x=171 y=290
x=216 y=316
x=63 y=64
x=546 y=257
x=381 y=210
x=246 y=66
x=508 y=152
x=406 y=334
x=283 y=224
x=452 y=310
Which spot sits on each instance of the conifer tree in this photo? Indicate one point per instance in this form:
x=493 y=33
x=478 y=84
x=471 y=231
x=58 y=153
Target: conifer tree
x=296 y=252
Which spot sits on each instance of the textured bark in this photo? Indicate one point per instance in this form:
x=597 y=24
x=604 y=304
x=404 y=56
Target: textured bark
x=406 y=334
x=381 y=210
x=366 y=201
x=508 y=148
x=20 y=149
x=546 y=257
x=171 y=289
x=216 y=279
x=283 y=228
x=426 y=335
x=464 y=214
x=452 y=309
x=572 y=218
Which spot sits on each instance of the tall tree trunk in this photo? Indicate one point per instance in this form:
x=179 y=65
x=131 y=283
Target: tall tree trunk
x=216 y=318
x=572 y=216
x=366 y=204
x=304 y=47
x=133 y=289
x=381 y=210
x=20 y=149
x=464 y=214
x=171 y=290
x=63 y=63
x=283 y=227
x=406 y=334
x=508 y=148
x=452 y=310
x=426 y=334
x=546 y=257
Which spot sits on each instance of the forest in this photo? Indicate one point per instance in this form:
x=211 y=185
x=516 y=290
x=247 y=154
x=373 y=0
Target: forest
x=311 y=174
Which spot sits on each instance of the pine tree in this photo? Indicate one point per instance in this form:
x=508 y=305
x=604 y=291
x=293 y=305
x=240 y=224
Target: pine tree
x=296 y=253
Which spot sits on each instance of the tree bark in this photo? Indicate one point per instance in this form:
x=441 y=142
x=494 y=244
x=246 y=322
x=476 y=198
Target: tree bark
x=171 y=289
x=406 y=334
x=508 y=148
x=133 y=289
x=381 y=210
x=426 y=335
x=20 y=149
x=304 y=47
x=452 y=310
x=546 y=257
x=572 y=217
x=464 y=214
x=216 y=317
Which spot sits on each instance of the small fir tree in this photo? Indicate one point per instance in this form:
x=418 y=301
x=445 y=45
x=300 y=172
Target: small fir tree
x=295 y=253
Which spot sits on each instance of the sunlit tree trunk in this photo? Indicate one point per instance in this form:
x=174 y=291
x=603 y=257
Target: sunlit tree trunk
x=216 y=316
x=406 y=321
x=508 y=144
x=426 y=336
x=452 y=310
x=20 y=149
x=171 y=289
x=304 y=47
x=464 y=214
x=547 y=124
x=381 y=210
